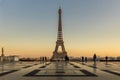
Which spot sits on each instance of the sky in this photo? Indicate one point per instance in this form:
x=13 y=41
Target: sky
x=28 y=28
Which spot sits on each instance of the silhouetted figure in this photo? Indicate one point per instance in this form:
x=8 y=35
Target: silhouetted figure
x=45 y=59
x=86 y=59
x=106 y=59
x=82 y=59
x=40 y=60
x=94 y=59
x=66 y=58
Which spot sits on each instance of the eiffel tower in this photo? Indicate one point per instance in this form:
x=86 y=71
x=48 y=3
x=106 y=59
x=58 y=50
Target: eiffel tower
x=59 y=43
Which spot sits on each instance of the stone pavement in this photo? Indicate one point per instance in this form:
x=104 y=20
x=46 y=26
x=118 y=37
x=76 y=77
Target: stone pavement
x=59 y=71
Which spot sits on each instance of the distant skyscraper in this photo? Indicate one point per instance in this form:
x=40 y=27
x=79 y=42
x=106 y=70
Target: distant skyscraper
x=59 y=43
x=2 y=55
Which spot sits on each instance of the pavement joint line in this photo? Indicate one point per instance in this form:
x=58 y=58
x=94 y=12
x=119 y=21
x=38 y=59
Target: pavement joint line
x=26 y=66
x=8 y=72
x=115 y=73
x=34 y=72
x=43 y=66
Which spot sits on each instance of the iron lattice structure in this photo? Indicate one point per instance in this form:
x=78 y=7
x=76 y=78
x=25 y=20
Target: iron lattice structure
x=59 y=43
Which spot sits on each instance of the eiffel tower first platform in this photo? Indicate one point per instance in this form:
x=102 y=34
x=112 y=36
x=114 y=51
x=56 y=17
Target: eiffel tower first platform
x=59 y=43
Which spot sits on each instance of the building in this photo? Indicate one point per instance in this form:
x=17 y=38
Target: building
x=11 y=58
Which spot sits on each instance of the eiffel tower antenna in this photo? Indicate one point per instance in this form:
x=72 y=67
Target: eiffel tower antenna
x=60 y=3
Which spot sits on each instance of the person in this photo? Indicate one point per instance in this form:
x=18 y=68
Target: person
x=40 y=60
x=45 y=59
x=94 y=59
x=106 y=59
x=86 y=59
x=82 y=59
x=66 y=58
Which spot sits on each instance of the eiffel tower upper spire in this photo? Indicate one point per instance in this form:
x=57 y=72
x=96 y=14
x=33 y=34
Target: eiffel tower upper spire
x=60 y=19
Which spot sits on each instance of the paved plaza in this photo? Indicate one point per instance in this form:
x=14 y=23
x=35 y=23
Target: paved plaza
x=59 y=71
